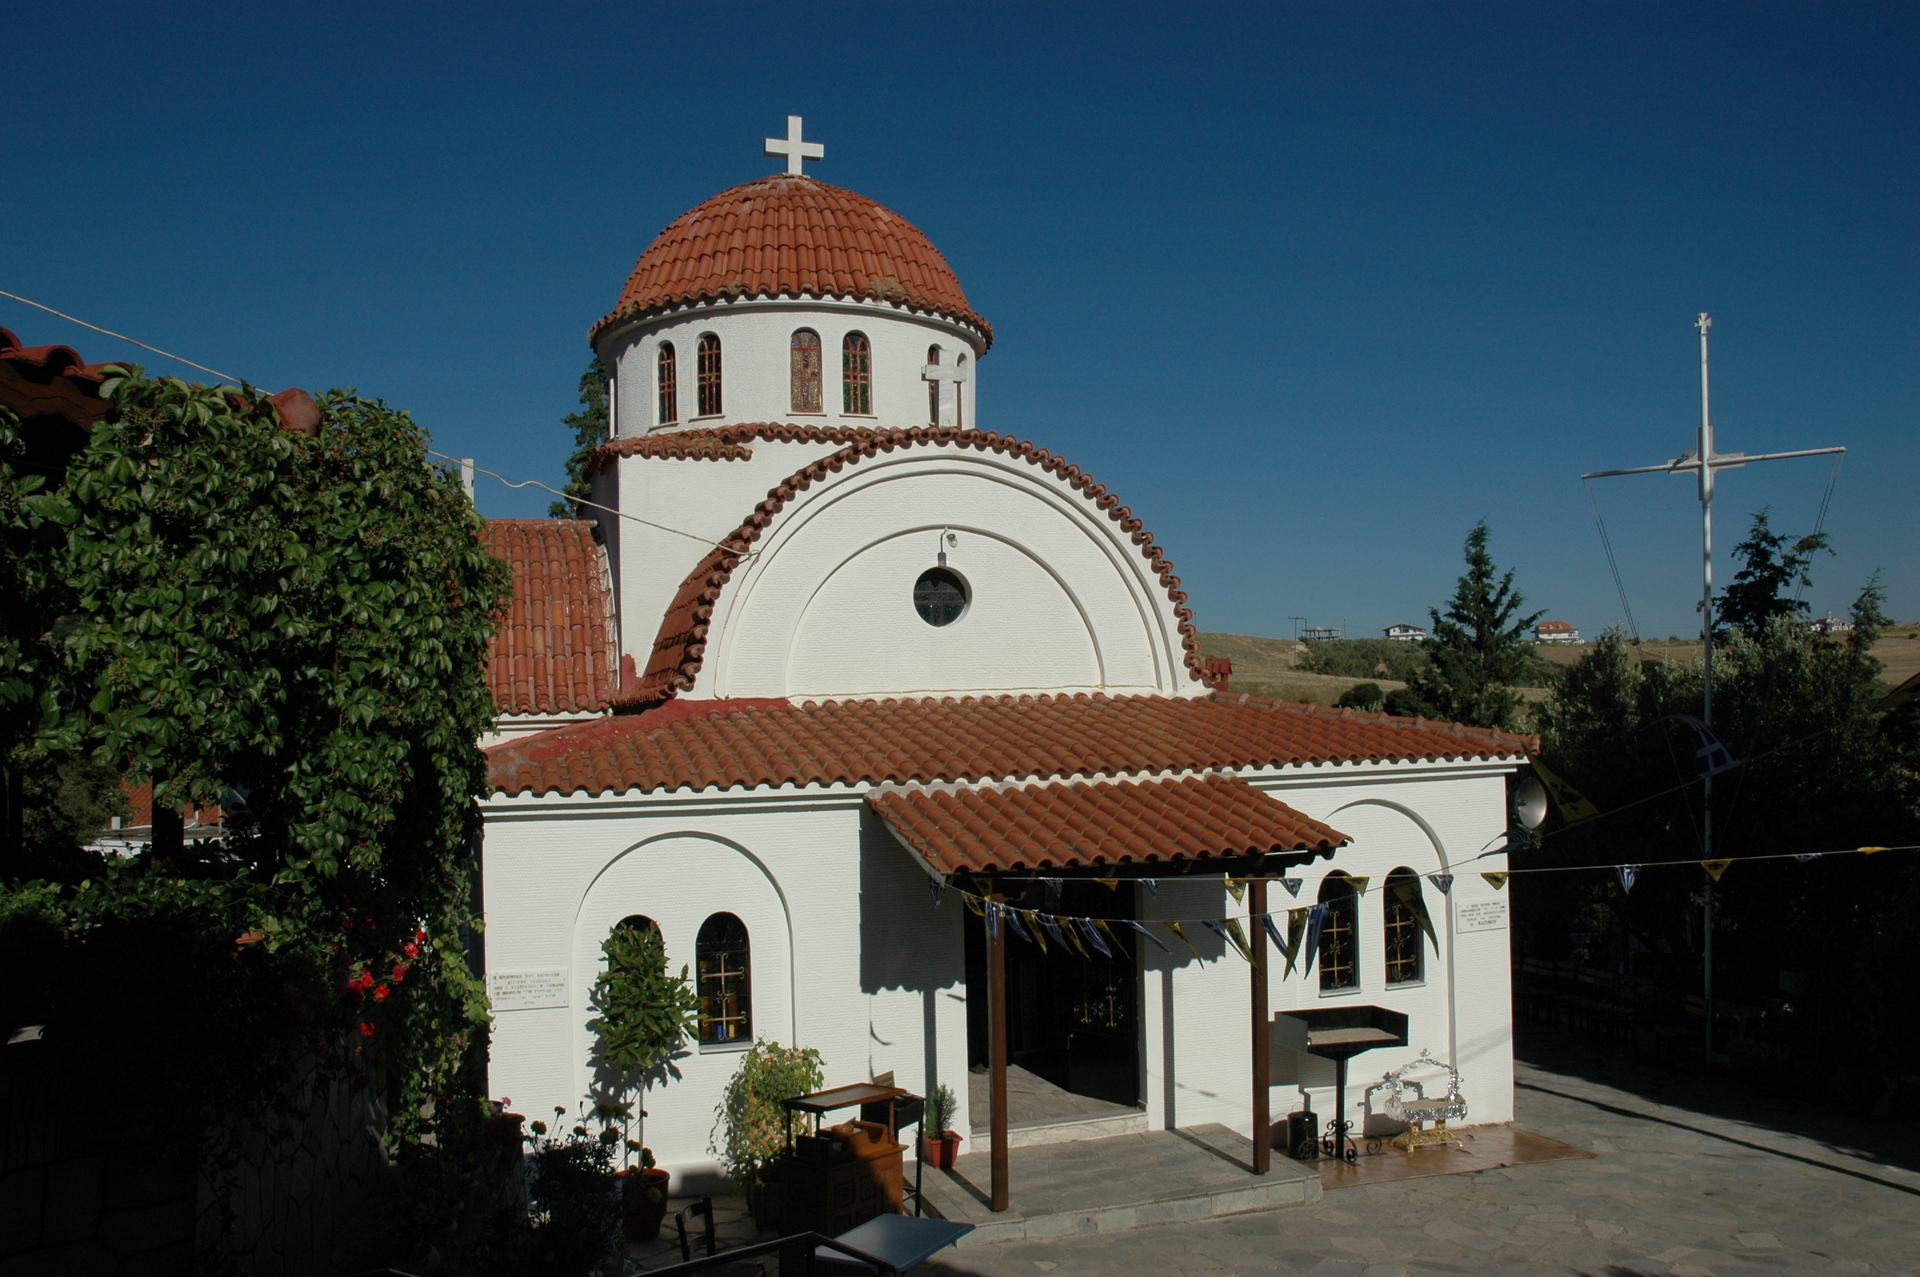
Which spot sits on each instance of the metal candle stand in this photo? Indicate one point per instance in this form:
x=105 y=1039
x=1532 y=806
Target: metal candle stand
x=1339 y=1034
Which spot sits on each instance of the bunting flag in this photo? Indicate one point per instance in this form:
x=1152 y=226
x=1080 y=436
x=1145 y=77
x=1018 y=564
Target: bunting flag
x=1273 y=933
x=1237 y=888
x=1359 y=884
x=1812 y=855
x=1498 y=880
x=1034 y=920
x=973 y=904
x=1715 y=868
x=1052 y=924
x=939 y=890
x=1628 y=875
x=1710 y=754
x=1316 y=919
x=1101 y=925
x=1239 y=938
x=1141 y=928
x=1296 y=932
x=1868 y=851
x=993 y=921
x=1221 y=931
x=1407 y=891
x=1293 y=886
x=1152 y=885
x=1053 y=884
x=1108 y=883
x=1175 y=928
x=1573 y=805
x=1443 y=883
x=1073 y=938
x=1092 y=934
x=1013 y=920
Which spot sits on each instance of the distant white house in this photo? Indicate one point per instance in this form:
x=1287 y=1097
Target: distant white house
x=1831 y=624
x=1406 y=633
x=1320 y=633
x=1555 y=632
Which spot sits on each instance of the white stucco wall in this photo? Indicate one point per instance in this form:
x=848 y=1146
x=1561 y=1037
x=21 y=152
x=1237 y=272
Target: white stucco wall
x=1061 y=599
x=755 y=336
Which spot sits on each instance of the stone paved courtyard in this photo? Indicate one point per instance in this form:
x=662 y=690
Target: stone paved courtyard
x=1692 y=1179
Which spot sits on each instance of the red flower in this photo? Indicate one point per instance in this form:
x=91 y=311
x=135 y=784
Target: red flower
x=420 y=934
x=411 y=949
x=366 y=1028
x=399 y=972
x=380 y=993
x=369 y=922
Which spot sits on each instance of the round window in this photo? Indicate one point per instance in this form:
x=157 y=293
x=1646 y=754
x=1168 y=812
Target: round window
x=939 y=596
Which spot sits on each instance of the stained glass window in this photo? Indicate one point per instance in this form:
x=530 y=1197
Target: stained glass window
x=1340 y=934
x=669 y=386
x=856 y=375
x=1404 y=954
x=725 y=982
x=709 y=354
x=805 y=375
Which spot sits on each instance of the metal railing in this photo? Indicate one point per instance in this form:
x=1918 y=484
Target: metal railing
x=802 y=1243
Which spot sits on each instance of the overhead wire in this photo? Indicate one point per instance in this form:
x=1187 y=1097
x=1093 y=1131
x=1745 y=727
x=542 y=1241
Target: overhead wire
x=181 y=359
x=1613 y=564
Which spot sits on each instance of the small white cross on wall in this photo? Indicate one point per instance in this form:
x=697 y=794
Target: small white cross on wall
x=794 y=149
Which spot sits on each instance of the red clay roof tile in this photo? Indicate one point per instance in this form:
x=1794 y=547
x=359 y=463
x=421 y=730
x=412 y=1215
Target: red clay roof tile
x=680 y=646
x=785 y=236
x=1104 y=823
x=990 y=738
x=552 y=651
x=50 y=382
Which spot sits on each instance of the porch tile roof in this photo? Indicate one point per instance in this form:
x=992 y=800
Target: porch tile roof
x=959 y=739
x=552 y=650
x=1101 y=823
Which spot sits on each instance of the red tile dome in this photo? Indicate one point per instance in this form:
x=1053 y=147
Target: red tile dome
x=785 y=236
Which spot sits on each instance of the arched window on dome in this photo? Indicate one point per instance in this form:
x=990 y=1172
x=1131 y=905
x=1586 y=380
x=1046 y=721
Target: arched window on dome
x=709 y=373
x=959 y=390
x=1339 y=934
x=669 y=377
x=724 y=981
x=804 y=371
x=933 y=388
x=856 y=376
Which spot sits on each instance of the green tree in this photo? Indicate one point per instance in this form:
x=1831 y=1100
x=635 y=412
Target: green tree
x=1768 y=565
x=644 y=1013
x=1363 y=696
x=293 y=625
x=589 y=426
x=1478 y=649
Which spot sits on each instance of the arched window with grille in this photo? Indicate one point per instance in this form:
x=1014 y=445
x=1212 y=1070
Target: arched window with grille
x=804 y=373
x=1406 y=919
x=709 y=356
x=959 y=391
x=725 y=981
x=856 y=376
x=933 y=388
x=1339 y=934
x=669 y=377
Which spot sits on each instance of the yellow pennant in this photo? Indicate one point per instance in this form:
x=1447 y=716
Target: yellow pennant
x=1573 y=805
x=1108 y=883
x=1073 y=934
x=1498 y=880
x=973 y=904
x=1034 y=929
x=1359 y=884
x=1175 y=928
x=1715 y=868
x=1237 y=887
x=1107 y=931
x=1239 y=938
x=1868 y=851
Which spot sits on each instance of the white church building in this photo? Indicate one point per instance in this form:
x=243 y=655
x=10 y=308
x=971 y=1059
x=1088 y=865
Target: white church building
x=844 y=655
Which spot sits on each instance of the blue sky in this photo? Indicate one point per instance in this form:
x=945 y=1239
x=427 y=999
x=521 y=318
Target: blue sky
x=1312 y=287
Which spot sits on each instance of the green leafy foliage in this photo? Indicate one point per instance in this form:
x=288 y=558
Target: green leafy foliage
x=752 y=1125
x=645 y=1014
x=299 y=623
x=590 y=428
x=1365 y=658
x=1478 y=650
x=941 y=1108
x=1768 y=565
x=573 y=1204
x=1362 y=696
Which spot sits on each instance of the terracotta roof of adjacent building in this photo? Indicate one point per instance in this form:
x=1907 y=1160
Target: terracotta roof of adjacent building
x=965 y=739
x=786 y=236
x=50 y=382
x=679 y=648
x=553 y=649
x=1097 y=824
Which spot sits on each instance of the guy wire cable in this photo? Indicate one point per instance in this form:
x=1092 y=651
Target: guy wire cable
x=1613 y=564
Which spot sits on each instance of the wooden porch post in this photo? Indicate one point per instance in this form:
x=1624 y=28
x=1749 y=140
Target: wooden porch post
x=1262 y=1070
x=997 y=1052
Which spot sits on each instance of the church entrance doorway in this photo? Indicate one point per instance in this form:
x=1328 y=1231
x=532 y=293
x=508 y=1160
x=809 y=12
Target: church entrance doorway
x=1072 y=1021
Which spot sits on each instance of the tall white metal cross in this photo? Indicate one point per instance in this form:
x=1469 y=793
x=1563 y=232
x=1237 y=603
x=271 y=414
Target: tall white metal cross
x=1701 y=460
x=793 y=148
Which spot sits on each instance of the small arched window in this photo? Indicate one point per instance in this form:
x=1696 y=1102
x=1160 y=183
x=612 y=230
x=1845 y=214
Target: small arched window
x=709 y=373
x=856 y=376
x=669 y=385
x=805 y=371
x=1339 y=934
x=725 y=981
x=1406 y=918
x=933 y=388
x=959 y=392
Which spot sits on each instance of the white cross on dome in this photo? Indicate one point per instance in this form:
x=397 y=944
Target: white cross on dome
x=793 y=148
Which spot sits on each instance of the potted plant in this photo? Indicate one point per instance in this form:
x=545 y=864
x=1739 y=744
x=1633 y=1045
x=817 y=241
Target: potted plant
x=752 y=1127
x=573 y=1206
x=941 y=1146
x=645 y=1015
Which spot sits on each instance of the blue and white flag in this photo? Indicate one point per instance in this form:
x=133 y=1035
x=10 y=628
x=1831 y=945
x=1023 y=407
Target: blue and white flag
x=1811 y=855
x=1629 y=874
x=1710 y=754
x=1052 y=924
x=1053 y=884
x=1273 y=932
x=1148 y=934
x=1316 y=919
x=993 y=920
x=1092 y=933
x=1293 y=886
x=1443 y=883
x=1013 y=920
x=1153 y=889
x=939 y=890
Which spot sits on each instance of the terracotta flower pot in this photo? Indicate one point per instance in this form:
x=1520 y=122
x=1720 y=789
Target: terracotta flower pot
x=940 y=1151
x=643 y=1202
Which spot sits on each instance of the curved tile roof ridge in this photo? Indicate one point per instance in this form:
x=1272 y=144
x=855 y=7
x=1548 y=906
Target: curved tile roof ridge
x=1014 y=737
x=792 y=236
x=679 y=649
